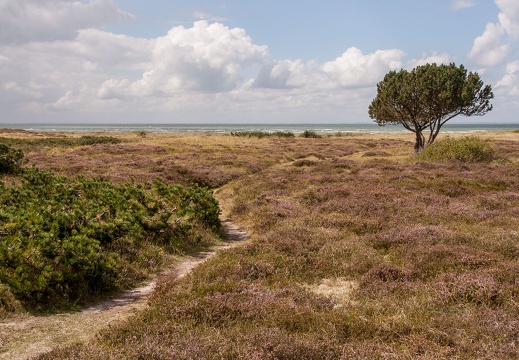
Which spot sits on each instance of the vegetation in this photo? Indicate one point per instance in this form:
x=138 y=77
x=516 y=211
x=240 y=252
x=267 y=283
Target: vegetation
x=84 y=140
x=350 y=256
x=466 y=149
x=263 y=134
x=11 y=159
x=425 y=98
x=310 y=134
x=66 y=241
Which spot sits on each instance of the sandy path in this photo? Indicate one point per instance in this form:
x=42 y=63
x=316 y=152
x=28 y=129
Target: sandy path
x=27 y=336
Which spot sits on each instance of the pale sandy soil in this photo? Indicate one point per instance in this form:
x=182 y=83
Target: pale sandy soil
x=27 y=336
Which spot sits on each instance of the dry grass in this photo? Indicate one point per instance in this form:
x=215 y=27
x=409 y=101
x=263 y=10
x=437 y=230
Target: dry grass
x=355 y=251
x=25 y=335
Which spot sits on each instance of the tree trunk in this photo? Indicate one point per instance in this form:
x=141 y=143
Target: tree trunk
x=432 y=137
x=419 y=143
x=434 y=133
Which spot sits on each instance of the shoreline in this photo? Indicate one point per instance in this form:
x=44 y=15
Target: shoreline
x=322 y=129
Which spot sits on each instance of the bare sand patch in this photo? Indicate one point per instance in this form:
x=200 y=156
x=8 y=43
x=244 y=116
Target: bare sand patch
x=338 y=289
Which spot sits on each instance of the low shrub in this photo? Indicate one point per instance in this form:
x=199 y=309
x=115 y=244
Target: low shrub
x=304 y=162
x=8 y=303
x=94 y=140
x=84 y=140
x=11 y=159
x=468 y=288
x=310 y=134
x=263 y=134
x=466 y=149
x=67 y=240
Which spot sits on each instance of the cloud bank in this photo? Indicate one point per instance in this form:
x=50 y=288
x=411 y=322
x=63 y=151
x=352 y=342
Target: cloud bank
x=56 y=64
x=496 y=49
x=47 y=20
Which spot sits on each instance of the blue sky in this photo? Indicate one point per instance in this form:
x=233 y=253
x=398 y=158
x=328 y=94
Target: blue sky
x=230 y=61
x=324 y=29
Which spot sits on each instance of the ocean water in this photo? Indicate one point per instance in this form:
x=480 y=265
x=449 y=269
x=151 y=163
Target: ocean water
x=371 y=128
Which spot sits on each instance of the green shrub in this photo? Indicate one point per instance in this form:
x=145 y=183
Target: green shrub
x=67 y=240
x=11 y=159
x=310 y=134
x=466 y=149
x=263 y=134
x=61 y=141
x=285 y=134
x=93 y=140
x=8 y=303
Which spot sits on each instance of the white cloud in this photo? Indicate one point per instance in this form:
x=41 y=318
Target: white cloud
x=509 y=83
x=47 y=20
x=205 y=15
x=57 y=64
x=206 y=58
x=108 y=49
x=71 y=100
x=354 y=69
x=495 y=46
x=462 y=4
x=286 y=74
x=65 y=74
x=434 y=58
x=509 y=16
x=30 y=91
x=199 y=71
x=488 y=49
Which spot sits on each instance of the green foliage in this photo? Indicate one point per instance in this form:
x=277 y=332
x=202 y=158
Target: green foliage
x=11 y=159
x=263 y=134
x=84 y=140
x=66 y=240
x=8 y=303
x=466 y=149
x=94 y=140
x=427 y=97
x=310 y=134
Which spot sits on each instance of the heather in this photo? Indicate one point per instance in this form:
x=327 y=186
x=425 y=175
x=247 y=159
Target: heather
x=355 y=252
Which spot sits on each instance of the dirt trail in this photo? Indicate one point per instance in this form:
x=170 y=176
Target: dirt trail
x=27 y=336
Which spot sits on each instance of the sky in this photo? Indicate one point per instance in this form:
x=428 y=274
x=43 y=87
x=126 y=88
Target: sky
x=236 y=61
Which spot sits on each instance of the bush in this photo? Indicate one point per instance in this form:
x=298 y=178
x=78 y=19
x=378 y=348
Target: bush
x=11 y=159
x=84 y=140
x=8 y=303
x=93 y=140
x=67 y=240
x=466 y=149
x=310 y=134
x=263 y=134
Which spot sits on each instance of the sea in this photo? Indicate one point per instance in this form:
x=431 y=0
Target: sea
x=370 y=128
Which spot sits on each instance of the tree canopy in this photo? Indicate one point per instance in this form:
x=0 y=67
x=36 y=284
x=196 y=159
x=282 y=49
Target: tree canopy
x=428 y=96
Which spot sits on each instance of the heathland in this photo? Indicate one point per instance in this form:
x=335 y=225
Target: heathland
x=358 y=249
